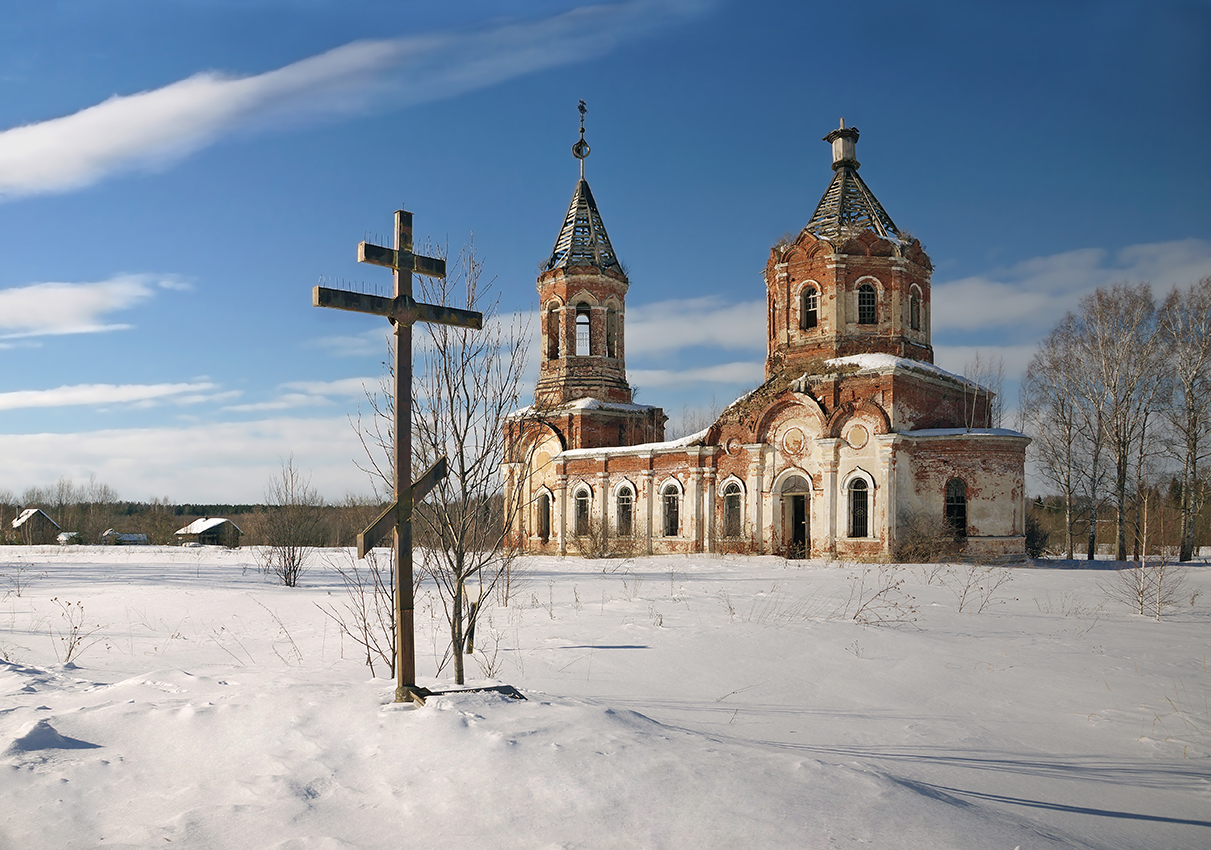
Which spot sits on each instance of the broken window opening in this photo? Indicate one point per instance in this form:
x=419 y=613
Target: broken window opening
x=553 y=333
x=731 y=510
x=581 y=526
x=625 y=512
x=583 y=336
x=544 y=517
x=611 y=332
x=956 y=506
x=671 y=500
x=809 y=313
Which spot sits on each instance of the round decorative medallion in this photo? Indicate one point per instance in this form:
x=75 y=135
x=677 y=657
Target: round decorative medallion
x=792 y=441
x=732 y=446
x=857 y=437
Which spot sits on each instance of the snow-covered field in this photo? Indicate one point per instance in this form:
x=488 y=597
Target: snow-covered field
x=672 y=702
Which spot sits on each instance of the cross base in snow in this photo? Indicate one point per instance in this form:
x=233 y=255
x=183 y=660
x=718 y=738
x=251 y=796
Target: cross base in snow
x=418 y=695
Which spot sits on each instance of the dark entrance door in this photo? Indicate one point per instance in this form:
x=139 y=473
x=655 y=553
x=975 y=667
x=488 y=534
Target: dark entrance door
x=799 y=531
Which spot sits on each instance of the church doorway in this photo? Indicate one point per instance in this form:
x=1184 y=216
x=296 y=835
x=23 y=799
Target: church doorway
x=796 y=517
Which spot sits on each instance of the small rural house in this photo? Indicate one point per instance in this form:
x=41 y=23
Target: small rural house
x=118 y=538
x=33 y=527
x=211 y=531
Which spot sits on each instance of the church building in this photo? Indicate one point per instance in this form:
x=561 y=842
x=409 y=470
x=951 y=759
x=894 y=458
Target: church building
x=853 y=435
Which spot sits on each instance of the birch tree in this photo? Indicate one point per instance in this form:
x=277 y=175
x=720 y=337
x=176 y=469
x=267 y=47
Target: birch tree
x=1119 y=372
x=1185 y=333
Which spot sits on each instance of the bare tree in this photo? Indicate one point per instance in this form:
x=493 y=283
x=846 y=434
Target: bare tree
x=1119 y=371
x=464 y=383
x=982 y=402
x=1066 y=435
x=292 y=526
x=1185 y=332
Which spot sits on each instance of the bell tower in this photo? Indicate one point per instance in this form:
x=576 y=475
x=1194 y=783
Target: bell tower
x=851 y=282
x=582 y=293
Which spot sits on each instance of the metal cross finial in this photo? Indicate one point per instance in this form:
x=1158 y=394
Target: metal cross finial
x=581 y=149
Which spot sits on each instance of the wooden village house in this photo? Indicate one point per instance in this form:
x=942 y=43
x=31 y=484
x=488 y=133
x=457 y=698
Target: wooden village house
x=34 y=527
x=854 y=432
x=210 y=531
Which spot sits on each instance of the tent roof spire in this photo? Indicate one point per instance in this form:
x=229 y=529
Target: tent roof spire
x=583 y=240
x=848 y=205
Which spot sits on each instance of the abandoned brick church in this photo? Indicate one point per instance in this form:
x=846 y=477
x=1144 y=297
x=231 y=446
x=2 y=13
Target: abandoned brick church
x=853 y=433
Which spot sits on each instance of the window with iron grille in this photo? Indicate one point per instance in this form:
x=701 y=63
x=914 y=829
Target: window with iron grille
x=859 y=509
x=867 y=314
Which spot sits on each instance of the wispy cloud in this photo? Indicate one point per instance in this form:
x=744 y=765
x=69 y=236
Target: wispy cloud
x=297 y=394
x=740 y=374
x=153 y=129
x=709 y=321
x=100 y=395
x=44 y=309
x=1027 y=299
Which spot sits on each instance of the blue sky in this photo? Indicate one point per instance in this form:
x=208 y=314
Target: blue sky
x=176 y=175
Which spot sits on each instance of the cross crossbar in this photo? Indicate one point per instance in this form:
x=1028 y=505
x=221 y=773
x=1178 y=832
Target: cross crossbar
x=401 y=509
x=401 y=309
x=394 y=258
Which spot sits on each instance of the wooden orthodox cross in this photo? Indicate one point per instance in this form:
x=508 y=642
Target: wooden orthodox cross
x=402 y=311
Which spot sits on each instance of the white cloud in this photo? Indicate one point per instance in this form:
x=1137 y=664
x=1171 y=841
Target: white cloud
x=45 y=309
x=297 y=394
x=667 y=326
x=102 y=395
x=1032 y=296
x=745 y=373
x=223 y=462
x=153 y=129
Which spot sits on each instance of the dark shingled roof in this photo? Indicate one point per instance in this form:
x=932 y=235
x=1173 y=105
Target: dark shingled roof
x=848 y=205
x=583 y=240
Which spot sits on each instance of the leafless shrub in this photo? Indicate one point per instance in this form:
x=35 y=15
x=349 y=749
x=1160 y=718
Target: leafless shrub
x=367 y=614
x=77 y=637
x=595 y=539
x=20 y=579
x=877 y=598
x=293 y=525
x=975 y=586
x=1152 y=588
x=923 y=537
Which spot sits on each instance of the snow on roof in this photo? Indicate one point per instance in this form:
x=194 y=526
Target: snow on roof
x=579 y=404
x=27 y=514
x=962 y=432
x=680 y=443
x=889 y=362
x=205 y=524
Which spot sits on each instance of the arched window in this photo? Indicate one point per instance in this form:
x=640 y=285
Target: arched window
x=624 y=512
x=553 y=333
x=671 y=501
x=867 y=314
x=956 y=506
x=859 y=509
x=809 y=308
x=583 y=336
x=914 y=309
x=544 y=517
x=611 y=332
x=731 y=510
x=581 y=521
